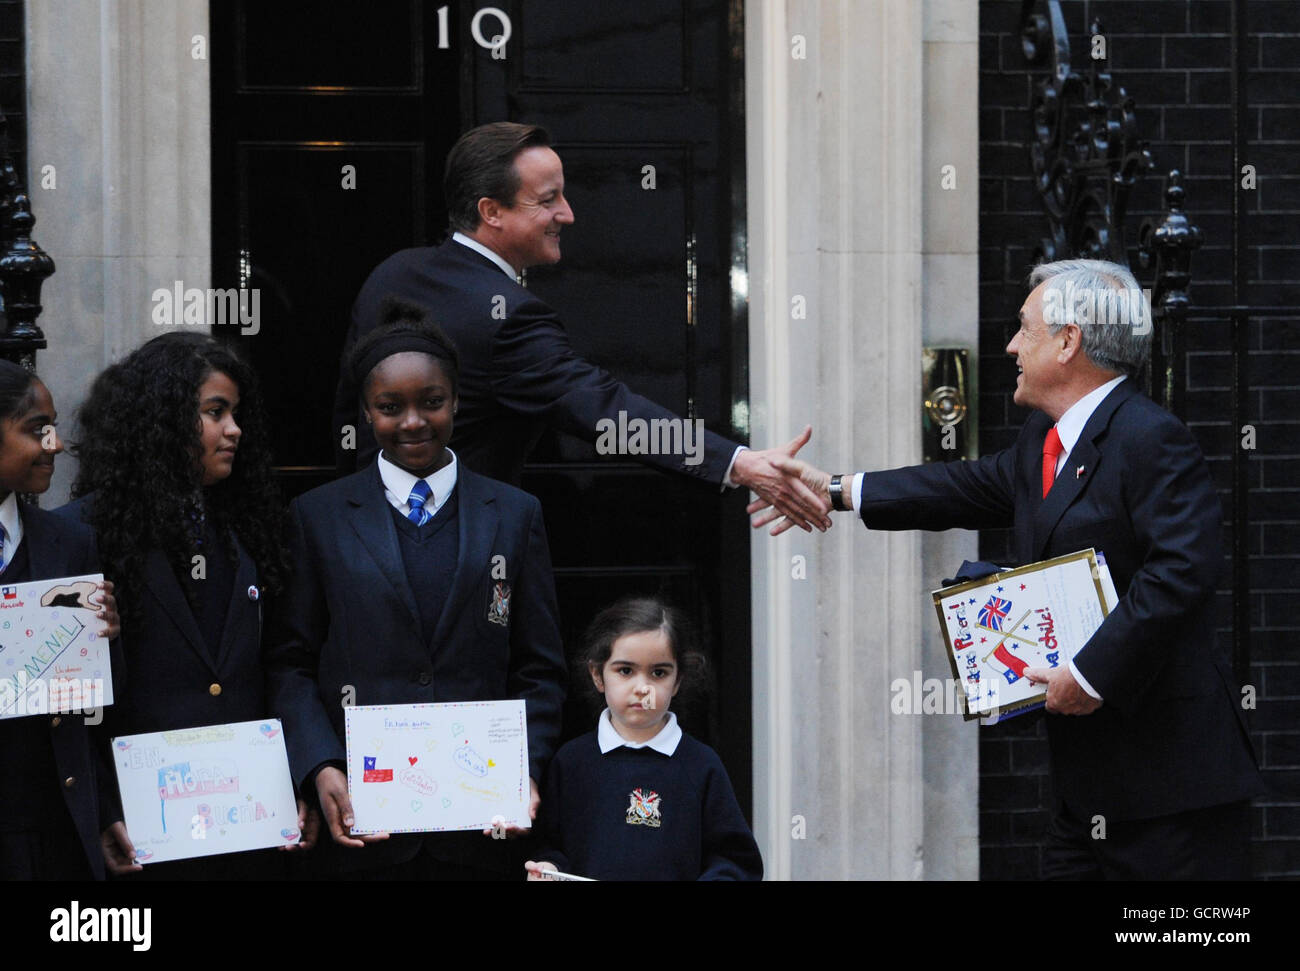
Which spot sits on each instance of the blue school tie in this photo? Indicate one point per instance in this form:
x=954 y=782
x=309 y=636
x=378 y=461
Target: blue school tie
x=419 y=495
x=4 y=538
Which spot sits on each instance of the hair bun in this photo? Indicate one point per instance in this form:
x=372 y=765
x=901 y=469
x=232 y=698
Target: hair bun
x=396 y=310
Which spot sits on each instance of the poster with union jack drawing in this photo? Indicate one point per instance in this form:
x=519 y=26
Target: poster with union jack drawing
x=1036 y=616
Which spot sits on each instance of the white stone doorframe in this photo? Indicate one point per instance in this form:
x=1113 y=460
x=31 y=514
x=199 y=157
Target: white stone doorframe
x=857 y=256
x=118 y=104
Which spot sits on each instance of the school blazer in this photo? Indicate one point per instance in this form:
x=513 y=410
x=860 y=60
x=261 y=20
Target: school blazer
x=171 y=681
x=1171 y=735
x=347 y=630
x=59 y=547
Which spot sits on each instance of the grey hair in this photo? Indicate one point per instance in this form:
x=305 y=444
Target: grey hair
x=1104 y=300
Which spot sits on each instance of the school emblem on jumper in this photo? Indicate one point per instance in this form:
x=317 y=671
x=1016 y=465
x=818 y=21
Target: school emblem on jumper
x=644 y=809
x=499 y=608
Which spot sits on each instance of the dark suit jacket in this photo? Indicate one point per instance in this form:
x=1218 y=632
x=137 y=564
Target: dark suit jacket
x=58 y=547
x=349 y=628
x=171 y=679
x=517 y=371
x=1171 y=734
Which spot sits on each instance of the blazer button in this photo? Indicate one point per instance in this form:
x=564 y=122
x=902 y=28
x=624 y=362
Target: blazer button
x=69 y=782
x=425 y=678
x=214 y=689
x=56 y=721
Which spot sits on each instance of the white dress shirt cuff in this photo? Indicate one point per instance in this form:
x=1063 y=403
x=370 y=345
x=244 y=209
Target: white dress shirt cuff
x=1083 y=683
x=855 y=491
x=726 y=479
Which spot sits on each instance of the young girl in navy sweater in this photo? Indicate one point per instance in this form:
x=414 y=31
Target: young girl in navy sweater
x=638 y=798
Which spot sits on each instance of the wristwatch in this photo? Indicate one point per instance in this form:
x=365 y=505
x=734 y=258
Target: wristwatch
x=837 y=494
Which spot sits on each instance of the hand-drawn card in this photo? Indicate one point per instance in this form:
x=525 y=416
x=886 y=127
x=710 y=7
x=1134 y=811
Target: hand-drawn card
x=52 y=658
x=204 y=791
x=1039 y=615
x=430 y=768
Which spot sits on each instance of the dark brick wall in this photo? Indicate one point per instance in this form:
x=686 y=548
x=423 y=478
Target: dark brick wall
x=13 y=81
x=1173 y=57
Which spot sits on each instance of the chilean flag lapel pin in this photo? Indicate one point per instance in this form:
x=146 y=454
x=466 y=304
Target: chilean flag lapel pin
x=1078 y=473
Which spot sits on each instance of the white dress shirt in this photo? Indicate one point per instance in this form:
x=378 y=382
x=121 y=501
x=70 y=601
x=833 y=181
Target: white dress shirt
x=492 y=255
x=665 y=741
x=398 y=484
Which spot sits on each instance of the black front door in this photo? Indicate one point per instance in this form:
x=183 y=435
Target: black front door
x=643 y=105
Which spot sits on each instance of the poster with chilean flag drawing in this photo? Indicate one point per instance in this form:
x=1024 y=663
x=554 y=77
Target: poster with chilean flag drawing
x=1036 y=616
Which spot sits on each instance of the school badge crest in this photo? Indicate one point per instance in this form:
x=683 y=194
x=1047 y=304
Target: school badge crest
x=644 y=809
x=499 y=608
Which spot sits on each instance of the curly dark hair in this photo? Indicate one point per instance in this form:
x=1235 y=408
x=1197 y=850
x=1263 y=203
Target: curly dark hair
x=139 y=449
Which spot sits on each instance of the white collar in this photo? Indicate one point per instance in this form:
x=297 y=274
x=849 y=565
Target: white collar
x=13 y=524
x=478 y=247
x=1070 y=427
x=398 y=484
x=665 y=742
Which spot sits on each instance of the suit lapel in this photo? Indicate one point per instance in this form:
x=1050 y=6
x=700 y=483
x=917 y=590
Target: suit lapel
x=245 y=576
x=1065 y=490
x=162 y=582
x=44 y=547
x=372 y=521
x=1071 y=482
x=477 y=522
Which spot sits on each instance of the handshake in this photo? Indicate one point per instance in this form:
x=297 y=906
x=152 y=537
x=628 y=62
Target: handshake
x=790 y=491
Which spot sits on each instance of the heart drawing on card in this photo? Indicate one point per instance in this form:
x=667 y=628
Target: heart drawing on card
x=457 y=728
x=412 y=759
x=446 y=804
x=416 y=805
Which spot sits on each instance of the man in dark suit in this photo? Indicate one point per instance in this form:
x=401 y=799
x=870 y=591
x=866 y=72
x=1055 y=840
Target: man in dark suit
x=1151 y=762
x=506 y=205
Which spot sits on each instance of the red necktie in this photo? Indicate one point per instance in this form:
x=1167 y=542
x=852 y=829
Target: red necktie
x=1052 y=450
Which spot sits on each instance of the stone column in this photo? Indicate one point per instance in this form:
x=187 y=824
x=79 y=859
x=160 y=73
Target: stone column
x=839 y=217
x=118 y=104
x=950 y=317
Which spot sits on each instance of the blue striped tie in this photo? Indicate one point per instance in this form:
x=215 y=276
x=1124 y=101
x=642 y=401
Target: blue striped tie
x=419 y=496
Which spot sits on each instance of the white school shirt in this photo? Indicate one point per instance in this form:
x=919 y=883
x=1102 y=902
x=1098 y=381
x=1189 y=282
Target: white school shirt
x=665 y=741
x=398 y=484
x=13 y=525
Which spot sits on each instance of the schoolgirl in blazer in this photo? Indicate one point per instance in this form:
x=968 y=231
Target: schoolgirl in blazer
x=176 y=480
x=56 y=795
x=397 y=598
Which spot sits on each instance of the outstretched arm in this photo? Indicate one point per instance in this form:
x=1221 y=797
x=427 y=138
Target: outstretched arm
x=536 y=373
x=939 y=495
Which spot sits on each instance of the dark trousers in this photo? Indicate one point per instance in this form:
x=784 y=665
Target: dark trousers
x=1201 y=844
